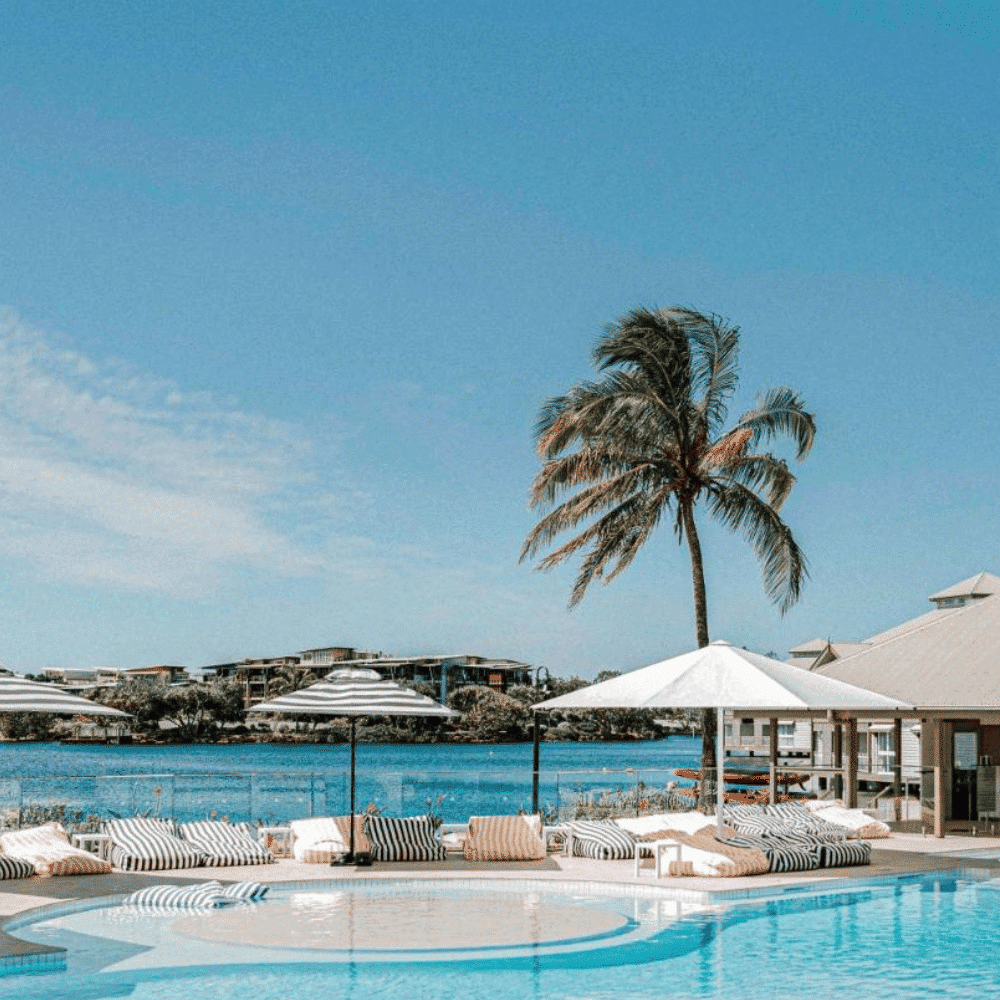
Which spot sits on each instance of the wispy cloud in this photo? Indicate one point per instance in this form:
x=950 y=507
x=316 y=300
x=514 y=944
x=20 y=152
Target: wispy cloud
x=114 y=477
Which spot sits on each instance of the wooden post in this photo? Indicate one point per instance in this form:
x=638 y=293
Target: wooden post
x=837 y=753
x=897 y=791
x=852 y=765
x=938 y=780
x=773 y=776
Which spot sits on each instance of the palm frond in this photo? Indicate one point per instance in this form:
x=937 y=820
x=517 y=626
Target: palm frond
x=782 y=562
x=714 y=356
x=766 y=473
x=781 y=411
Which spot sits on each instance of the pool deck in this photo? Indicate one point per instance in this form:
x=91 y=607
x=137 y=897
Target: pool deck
x=898 y=856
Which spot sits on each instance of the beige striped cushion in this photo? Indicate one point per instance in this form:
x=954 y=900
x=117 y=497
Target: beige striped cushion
x=504 y=838
x=729 y=862
x=48 y=848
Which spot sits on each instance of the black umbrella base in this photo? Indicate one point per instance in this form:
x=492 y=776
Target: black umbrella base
x=359 y=859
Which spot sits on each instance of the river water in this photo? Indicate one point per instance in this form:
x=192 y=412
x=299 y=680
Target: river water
x=272 y=783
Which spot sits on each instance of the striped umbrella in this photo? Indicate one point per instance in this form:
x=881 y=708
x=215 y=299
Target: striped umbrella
x=20 y=695
x=354 y=692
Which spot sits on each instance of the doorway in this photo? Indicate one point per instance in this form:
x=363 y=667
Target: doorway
x=965 y=757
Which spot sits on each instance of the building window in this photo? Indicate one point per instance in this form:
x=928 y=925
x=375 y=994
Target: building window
x=885 y=751
x=746 y=731
x=786 y=734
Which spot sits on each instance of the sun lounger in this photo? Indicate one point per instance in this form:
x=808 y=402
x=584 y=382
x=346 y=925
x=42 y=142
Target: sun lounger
x=144 y=844
x=504 y=838
x=48 y=850
x=225 y=843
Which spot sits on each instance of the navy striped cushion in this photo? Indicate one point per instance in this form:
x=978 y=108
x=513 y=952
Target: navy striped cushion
x=225 y=844
x=412 y=839
x=855 y=852
x=143 y=844
x=205 y=895
x=11 y=867
x=782 y=855
x=245 y=890
x=601 y=839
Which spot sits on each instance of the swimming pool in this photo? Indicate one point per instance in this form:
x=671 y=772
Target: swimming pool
x=928 y=936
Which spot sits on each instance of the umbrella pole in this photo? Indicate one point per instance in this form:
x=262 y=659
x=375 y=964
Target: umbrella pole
x=720 y=767
x=350 y=853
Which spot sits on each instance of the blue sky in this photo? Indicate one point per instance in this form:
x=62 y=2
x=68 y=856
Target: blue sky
x=283 y=286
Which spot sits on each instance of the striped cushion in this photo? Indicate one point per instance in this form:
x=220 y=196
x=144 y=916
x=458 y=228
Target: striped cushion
x=225 y=844
x=504 y=838
x=601 y=839
x=245 y=890
x=144 y=844
x=15 y=867
x=205 y=895
x=48 y=850
x=782 y=856
x=413 y=839
x=362 y=845
x=712 y=858
x=855 y=852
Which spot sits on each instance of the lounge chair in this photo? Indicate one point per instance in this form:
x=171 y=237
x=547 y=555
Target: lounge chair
x=48 y=850
x=145 y=844
x=224 y=843
x=504 y=838
x=317 y=840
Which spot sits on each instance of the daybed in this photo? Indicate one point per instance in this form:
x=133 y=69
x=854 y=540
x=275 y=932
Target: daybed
x=47 y=850
x=411 y=839
x=144 y=844
x=855 y=821
x=224 y=843
x=320 y=838
x=504 y=838
x=701 y=853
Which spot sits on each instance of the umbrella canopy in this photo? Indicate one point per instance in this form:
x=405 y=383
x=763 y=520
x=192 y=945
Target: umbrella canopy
x=20 y=695
x=722 y=676
x=354 y=692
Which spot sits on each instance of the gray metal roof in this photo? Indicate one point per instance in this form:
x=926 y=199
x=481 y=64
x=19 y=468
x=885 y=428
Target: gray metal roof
x=980 y=585
x=945 y=661
x=919 y=622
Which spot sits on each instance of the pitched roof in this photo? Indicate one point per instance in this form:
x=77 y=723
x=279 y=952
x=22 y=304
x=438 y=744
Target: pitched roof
x=980 y=585
x=949 y=661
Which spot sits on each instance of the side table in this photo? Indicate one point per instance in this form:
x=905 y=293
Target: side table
x=278 y=839
x=94 y=843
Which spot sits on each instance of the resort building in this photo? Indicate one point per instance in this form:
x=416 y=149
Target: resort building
x=945 y=757
x=263 y=679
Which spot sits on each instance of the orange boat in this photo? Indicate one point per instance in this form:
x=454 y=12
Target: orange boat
x=785 y=778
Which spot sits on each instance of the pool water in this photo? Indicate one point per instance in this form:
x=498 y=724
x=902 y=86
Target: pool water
x=931 y=936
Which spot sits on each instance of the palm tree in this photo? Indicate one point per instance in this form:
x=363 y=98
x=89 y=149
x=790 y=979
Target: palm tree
x=649 y=440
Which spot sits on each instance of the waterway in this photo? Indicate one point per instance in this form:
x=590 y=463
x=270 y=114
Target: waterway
x=273 y=782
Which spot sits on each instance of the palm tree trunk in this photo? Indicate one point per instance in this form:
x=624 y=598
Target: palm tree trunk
x=706 y=791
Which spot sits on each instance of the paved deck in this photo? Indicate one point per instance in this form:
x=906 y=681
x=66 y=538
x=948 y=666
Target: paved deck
x=901 y=854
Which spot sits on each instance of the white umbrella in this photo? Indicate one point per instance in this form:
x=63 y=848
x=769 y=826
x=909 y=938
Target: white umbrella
x=721 y=676
x=354 y=692
x=20 y=695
